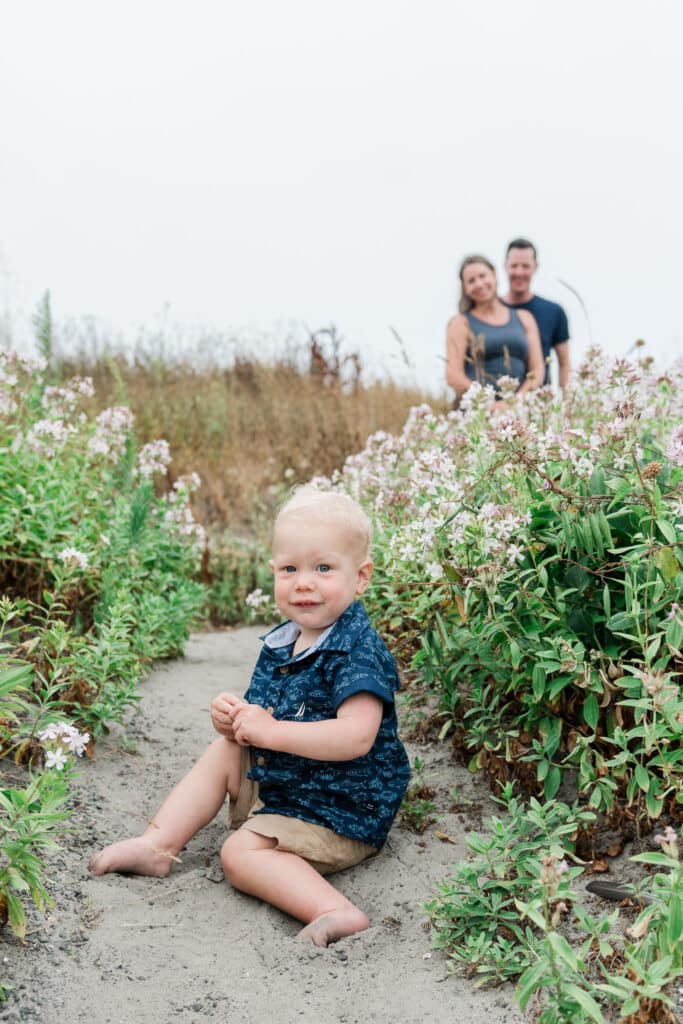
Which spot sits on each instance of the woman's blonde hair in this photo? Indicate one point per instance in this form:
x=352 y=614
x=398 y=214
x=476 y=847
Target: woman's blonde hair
x=329 y=506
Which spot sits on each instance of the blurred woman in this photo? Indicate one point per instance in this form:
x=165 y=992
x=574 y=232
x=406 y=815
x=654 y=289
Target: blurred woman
x=487 y=339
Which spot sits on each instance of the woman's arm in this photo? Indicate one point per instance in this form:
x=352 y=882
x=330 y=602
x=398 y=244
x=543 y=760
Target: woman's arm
x=535 y=367
x=351 y=734
x=456 y=350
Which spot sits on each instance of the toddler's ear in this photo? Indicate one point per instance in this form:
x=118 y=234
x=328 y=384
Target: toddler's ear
x=364 y=576
x=271 y=563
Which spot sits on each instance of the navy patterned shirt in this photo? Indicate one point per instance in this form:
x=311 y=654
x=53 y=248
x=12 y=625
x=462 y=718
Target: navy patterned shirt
x=357 y=798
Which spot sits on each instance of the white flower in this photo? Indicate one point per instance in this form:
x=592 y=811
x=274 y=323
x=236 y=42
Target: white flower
x=434 y=570
x=51 y=732
x=76 y=741
x=71 y=556
x=515 y=554
x=55 y=759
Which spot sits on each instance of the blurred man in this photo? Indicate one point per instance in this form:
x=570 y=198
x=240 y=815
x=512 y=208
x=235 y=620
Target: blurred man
x=520 y=266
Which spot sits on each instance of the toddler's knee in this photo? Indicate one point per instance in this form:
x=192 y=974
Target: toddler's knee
x=232 y=859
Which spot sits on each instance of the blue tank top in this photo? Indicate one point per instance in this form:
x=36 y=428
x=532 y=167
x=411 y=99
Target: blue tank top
x=496 y=351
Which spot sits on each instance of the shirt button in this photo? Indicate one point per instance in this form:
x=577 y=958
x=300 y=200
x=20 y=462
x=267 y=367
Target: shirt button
x=260 y=760
x=284 y=669
x=270 y=710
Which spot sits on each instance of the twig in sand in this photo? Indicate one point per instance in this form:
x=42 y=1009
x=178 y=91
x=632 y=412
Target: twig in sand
x=144 y=924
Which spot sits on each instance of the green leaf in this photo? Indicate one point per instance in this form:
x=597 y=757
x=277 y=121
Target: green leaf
x=667 y=563
x=597 y=483
x=642 y=777
x=15 y=678
x=17 y=917
x=622 y=622
x=515 y=654
x=538 y=681
x=591 y=711
x=577 y=577
x=675 y=922
x=657 y=859
x=667 y=531
x=563 y=951
x=596 y=530
x=586 y=1002
x=587 y=535
x=653 y=804
x=653 y=647
x=531 y=980
x=550 y=731
x=606 y=601
x=674 y=634
x=605 y=527
x=552 y=782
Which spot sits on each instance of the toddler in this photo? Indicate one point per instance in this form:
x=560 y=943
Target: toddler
x=310 y=758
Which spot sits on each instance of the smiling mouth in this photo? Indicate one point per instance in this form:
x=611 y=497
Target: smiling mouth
x=306 y=604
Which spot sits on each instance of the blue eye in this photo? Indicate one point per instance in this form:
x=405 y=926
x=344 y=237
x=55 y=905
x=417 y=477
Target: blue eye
x=324 y=567
x=289 y=568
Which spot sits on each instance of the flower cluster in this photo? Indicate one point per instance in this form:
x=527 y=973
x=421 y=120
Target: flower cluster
x=63 y=401
x=184 y=485
x=47 y=436
x=154 y=458
x=258 y=600
x=112 y=428
x=72 y=557
x=14 y=370
x=60 y=740
x=180 y=516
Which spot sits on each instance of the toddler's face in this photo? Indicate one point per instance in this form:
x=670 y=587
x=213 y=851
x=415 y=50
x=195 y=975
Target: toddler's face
x=319 y=571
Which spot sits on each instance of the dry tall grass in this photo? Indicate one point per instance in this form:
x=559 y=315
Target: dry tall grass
x=249 y=427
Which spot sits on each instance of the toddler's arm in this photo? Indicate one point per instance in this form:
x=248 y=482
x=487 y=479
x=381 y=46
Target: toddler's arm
x=351 y=734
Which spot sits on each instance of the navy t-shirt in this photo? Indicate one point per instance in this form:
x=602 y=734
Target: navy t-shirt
x=552 y=324
x=357 y=798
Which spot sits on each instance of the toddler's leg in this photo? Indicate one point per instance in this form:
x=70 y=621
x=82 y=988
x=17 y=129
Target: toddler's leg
x=252 y=863
x=194 y=802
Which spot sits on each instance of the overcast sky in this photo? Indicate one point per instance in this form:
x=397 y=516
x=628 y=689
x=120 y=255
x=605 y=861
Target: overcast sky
x=264 y=167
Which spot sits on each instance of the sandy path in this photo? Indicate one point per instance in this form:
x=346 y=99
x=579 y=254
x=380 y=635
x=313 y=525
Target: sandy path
x=189 y=948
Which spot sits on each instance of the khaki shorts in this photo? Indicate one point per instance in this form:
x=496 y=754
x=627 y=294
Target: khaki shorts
x=324 y=849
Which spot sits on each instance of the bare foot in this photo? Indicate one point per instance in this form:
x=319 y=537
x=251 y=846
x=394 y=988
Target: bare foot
x=335 y=925
x=138 y=856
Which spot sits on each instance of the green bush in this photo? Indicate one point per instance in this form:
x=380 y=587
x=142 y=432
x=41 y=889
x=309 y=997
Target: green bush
x=99 y=571
x=531 y=560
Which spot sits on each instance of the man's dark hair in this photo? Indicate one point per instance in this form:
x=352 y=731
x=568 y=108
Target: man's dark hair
x=521 y=243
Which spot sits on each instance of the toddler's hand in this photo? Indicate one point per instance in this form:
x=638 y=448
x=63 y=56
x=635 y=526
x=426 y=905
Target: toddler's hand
x=253 y=726
x=223 y=708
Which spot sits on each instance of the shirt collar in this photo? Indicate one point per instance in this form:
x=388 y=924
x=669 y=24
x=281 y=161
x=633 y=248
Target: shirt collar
x=342 y=635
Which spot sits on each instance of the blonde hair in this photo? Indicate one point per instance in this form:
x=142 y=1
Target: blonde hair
x=327 y=506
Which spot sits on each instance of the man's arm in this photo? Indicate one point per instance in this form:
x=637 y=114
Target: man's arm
x=351 y=734
x=562 y=353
